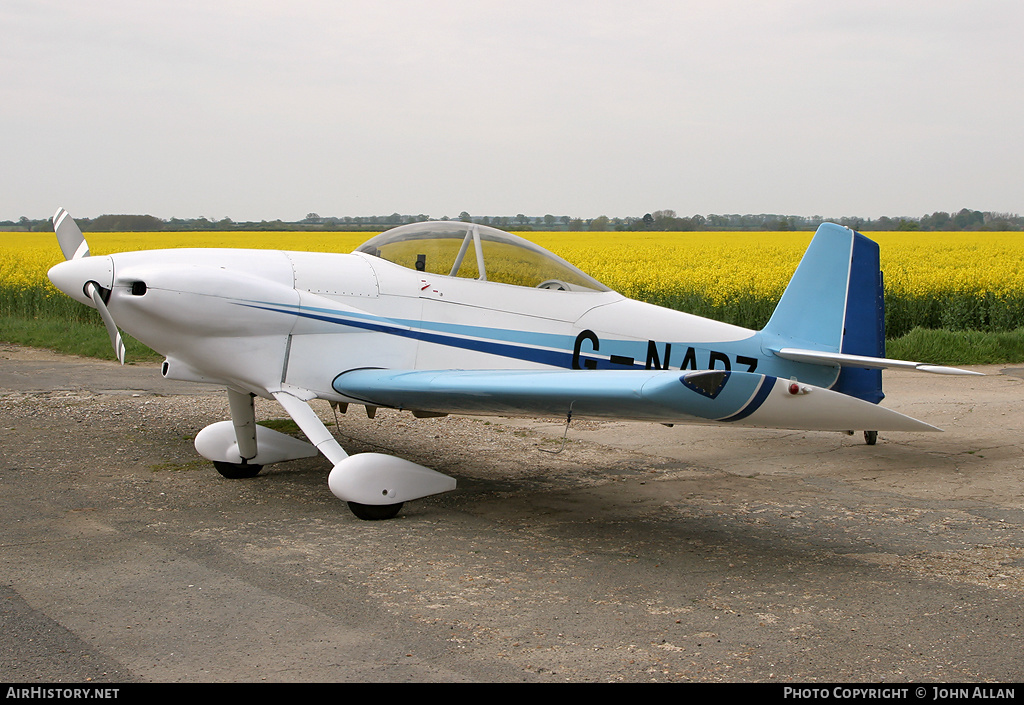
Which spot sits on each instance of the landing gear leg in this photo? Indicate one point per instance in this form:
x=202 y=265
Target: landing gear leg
x=243 y=419
x=364 y=479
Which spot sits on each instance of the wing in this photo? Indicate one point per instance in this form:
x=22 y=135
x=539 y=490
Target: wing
x=665 y=396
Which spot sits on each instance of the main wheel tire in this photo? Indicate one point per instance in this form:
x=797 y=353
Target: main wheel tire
x=374 y=512
x=237 y=471
x=871 y=437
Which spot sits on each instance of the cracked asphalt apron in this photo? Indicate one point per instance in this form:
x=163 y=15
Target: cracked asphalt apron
x=635 y=553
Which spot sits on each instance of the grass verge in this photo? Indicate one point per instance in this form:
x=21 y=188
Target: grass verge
x=965 y=347
x=71 y=338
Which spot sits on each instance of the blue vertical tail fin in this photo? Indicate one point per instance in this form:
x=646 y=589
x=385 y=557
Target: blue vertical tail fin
x=835 y=303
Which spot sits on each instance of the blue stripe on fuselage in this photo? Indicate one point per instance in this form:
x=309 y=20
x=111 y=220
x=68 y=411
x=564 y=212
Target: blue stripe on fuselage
x=551 y=349
x=555 y=358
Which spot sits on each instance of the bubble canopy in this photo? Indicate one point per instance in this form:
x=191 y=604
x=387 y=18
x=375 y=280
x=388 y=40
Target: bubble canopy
x=473 y=251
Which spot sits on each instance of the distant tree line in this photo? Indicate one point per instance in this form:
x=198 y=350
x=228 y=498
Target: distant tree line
x=666 y=220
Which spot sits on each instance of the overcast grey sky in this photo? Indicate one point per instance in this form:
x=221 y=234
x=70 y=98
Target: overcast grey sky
x=253 y=109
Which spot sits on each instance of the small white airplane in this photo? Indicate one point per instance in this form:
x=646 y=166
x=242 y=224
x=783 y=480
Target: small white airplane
x=451 y=317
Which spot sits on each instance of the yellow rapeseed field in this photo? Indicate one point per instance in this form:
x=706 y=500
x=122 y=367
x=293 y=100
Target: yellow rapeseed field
x=933 y=279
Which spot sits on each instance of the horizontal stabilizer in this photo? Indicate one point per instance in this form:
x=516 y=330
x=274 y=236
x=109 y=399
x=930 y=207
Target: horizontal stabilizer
x=819 y=357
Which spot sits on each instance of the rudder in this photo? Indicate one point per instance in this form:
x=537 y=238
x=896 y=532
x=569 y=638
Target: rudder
x=834 y=303
x=864 y=330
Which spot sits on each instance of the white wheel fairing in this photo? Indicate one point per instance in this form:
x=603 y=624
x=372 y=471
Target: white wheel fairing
x=377 y=479
x=217 y=442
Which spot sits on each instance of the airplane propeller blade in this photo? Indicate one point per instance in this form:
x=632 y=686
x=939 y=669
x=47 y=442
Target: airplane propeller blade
x=69 y=235
x=108 y=321
x=73 y=245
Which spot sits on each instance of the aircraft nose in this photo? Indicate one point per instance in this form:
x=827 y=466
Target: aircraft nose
x=72 y=276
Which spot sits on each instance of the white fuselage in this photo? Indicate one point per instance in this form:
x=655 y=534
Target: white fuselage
x=299 y=319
